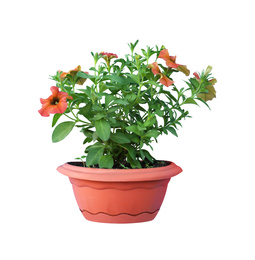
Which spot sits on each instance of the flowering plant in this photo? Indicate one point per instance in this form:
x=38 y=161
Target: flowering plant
x=129 y=102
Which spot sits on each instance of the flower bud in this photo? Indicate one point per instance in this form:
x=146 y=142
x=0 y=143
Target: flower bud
x=208 y=70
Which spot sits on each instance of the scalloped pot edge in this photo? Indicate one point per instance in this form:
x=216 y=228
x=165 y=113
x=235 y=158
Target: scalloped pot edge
x=119 y=195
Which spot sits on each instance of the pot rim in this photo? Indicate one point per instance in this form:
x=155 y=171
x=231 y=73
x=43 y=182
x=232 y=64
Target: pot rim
x=120 y=175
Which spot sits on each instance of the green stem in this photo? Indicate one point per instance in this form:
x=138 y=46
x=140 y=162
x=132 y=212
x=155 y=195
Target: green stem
x=77 y=119
x=69 y=117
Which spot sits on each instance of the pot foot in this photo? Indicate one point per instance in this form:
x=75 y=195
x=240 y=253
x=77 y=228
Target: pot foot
x=121 y=218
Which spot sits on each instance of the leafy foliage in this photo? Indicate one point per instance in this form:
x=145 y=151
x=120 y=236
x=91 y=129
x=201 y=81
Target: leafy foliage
x=127 y=105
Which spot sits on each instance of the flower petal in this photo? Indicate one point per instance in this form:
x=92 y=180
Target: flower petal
x=60 y=108
x=170 y=60
x=54 y=91
x=44 y=111
x=164 y=54
x=63 y=75
x=208 y=96
x=183 y=69
x=165 y=80
x=154 y=68
x=109 y=55
x=74 y=71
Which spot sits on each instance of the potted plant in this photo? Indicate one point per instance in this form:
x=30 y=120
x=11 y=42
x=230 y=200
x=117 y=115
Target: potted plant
x=124 y=106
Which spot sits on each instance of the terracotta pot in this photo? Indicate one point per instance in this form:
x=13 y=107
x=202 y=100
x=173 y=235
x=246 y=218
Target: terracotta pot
x=119 y=195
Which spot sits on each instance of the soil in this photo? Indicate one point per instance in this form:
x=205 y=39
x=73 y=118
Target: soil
x=127 y=166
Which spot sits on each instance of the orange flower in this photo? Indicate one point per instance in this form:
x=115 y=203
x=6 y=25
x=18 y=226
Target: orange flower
x=108 y=55
x=170 y=62
x=55 y=103
x=163 y=78
x=73 y=72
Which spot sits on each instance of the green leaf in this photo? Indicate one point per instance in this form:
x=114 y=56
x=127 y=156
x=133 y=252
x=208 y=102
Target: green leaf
x=201 y=100
x=172 y=130
x=102 y=87
x=95 y=153
x=151 y=120
x=103 y=129
x=84 y=75
x=148 y=155
x=130 y=97
x=98 y=116
x=140 y=108
x=62 y=130
x=168 y=95
x=152 y=133
x=86 y=132
x=133 y=128
x=133 y=162
x=112 y=109
x=87 y=111
x=142 y=154
x=108 y=100
x=55 y=119
x=120 y=101
x=87 y=140
x=106 y=161
x=97 y=108
x=87 y=92
x=152 y=83
x=130 y=149
x=95 y=146
x=134 y=78
x=189 y=101
x=120 y=138
x=194 y=82
x=134 y=138
x=116 y=78
x=160 y=112
x=141 y=128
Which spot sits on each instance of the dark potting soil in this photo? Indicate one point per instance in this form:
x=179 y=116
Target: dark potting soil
x=127 y=166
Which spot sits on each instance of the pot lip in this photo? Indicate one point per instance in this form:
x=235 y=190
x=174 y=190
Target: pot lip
x=120 y=175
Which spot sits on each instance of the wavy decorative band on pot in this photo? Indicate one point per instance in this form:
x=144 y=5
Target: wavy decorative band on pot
x=119 y=195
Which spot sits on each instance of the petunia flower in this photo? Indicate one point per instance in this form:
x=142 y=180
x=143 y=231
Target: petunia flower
x=171 y=62
x=163 y=78
x=108 y=55
x=73 y=73
x=55 y=103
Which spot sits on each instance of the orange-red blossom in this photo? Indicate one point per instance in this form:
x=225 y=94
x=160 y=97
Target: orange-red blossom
x=73 y=72
x=55 y=103
x=108 y=55
x=171 y=62
x=163 y=78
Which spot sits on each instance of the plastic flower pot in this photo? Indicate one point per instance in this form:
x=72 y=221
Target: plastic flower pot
x=119 y=195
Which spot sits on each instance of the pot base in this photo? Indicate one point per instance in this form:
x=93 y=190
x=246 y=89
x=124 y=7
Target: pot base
x=117 y=202
x=122 y=218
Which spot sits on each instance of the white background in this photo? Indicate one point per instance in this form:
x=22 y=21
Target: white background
x=208 y=212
